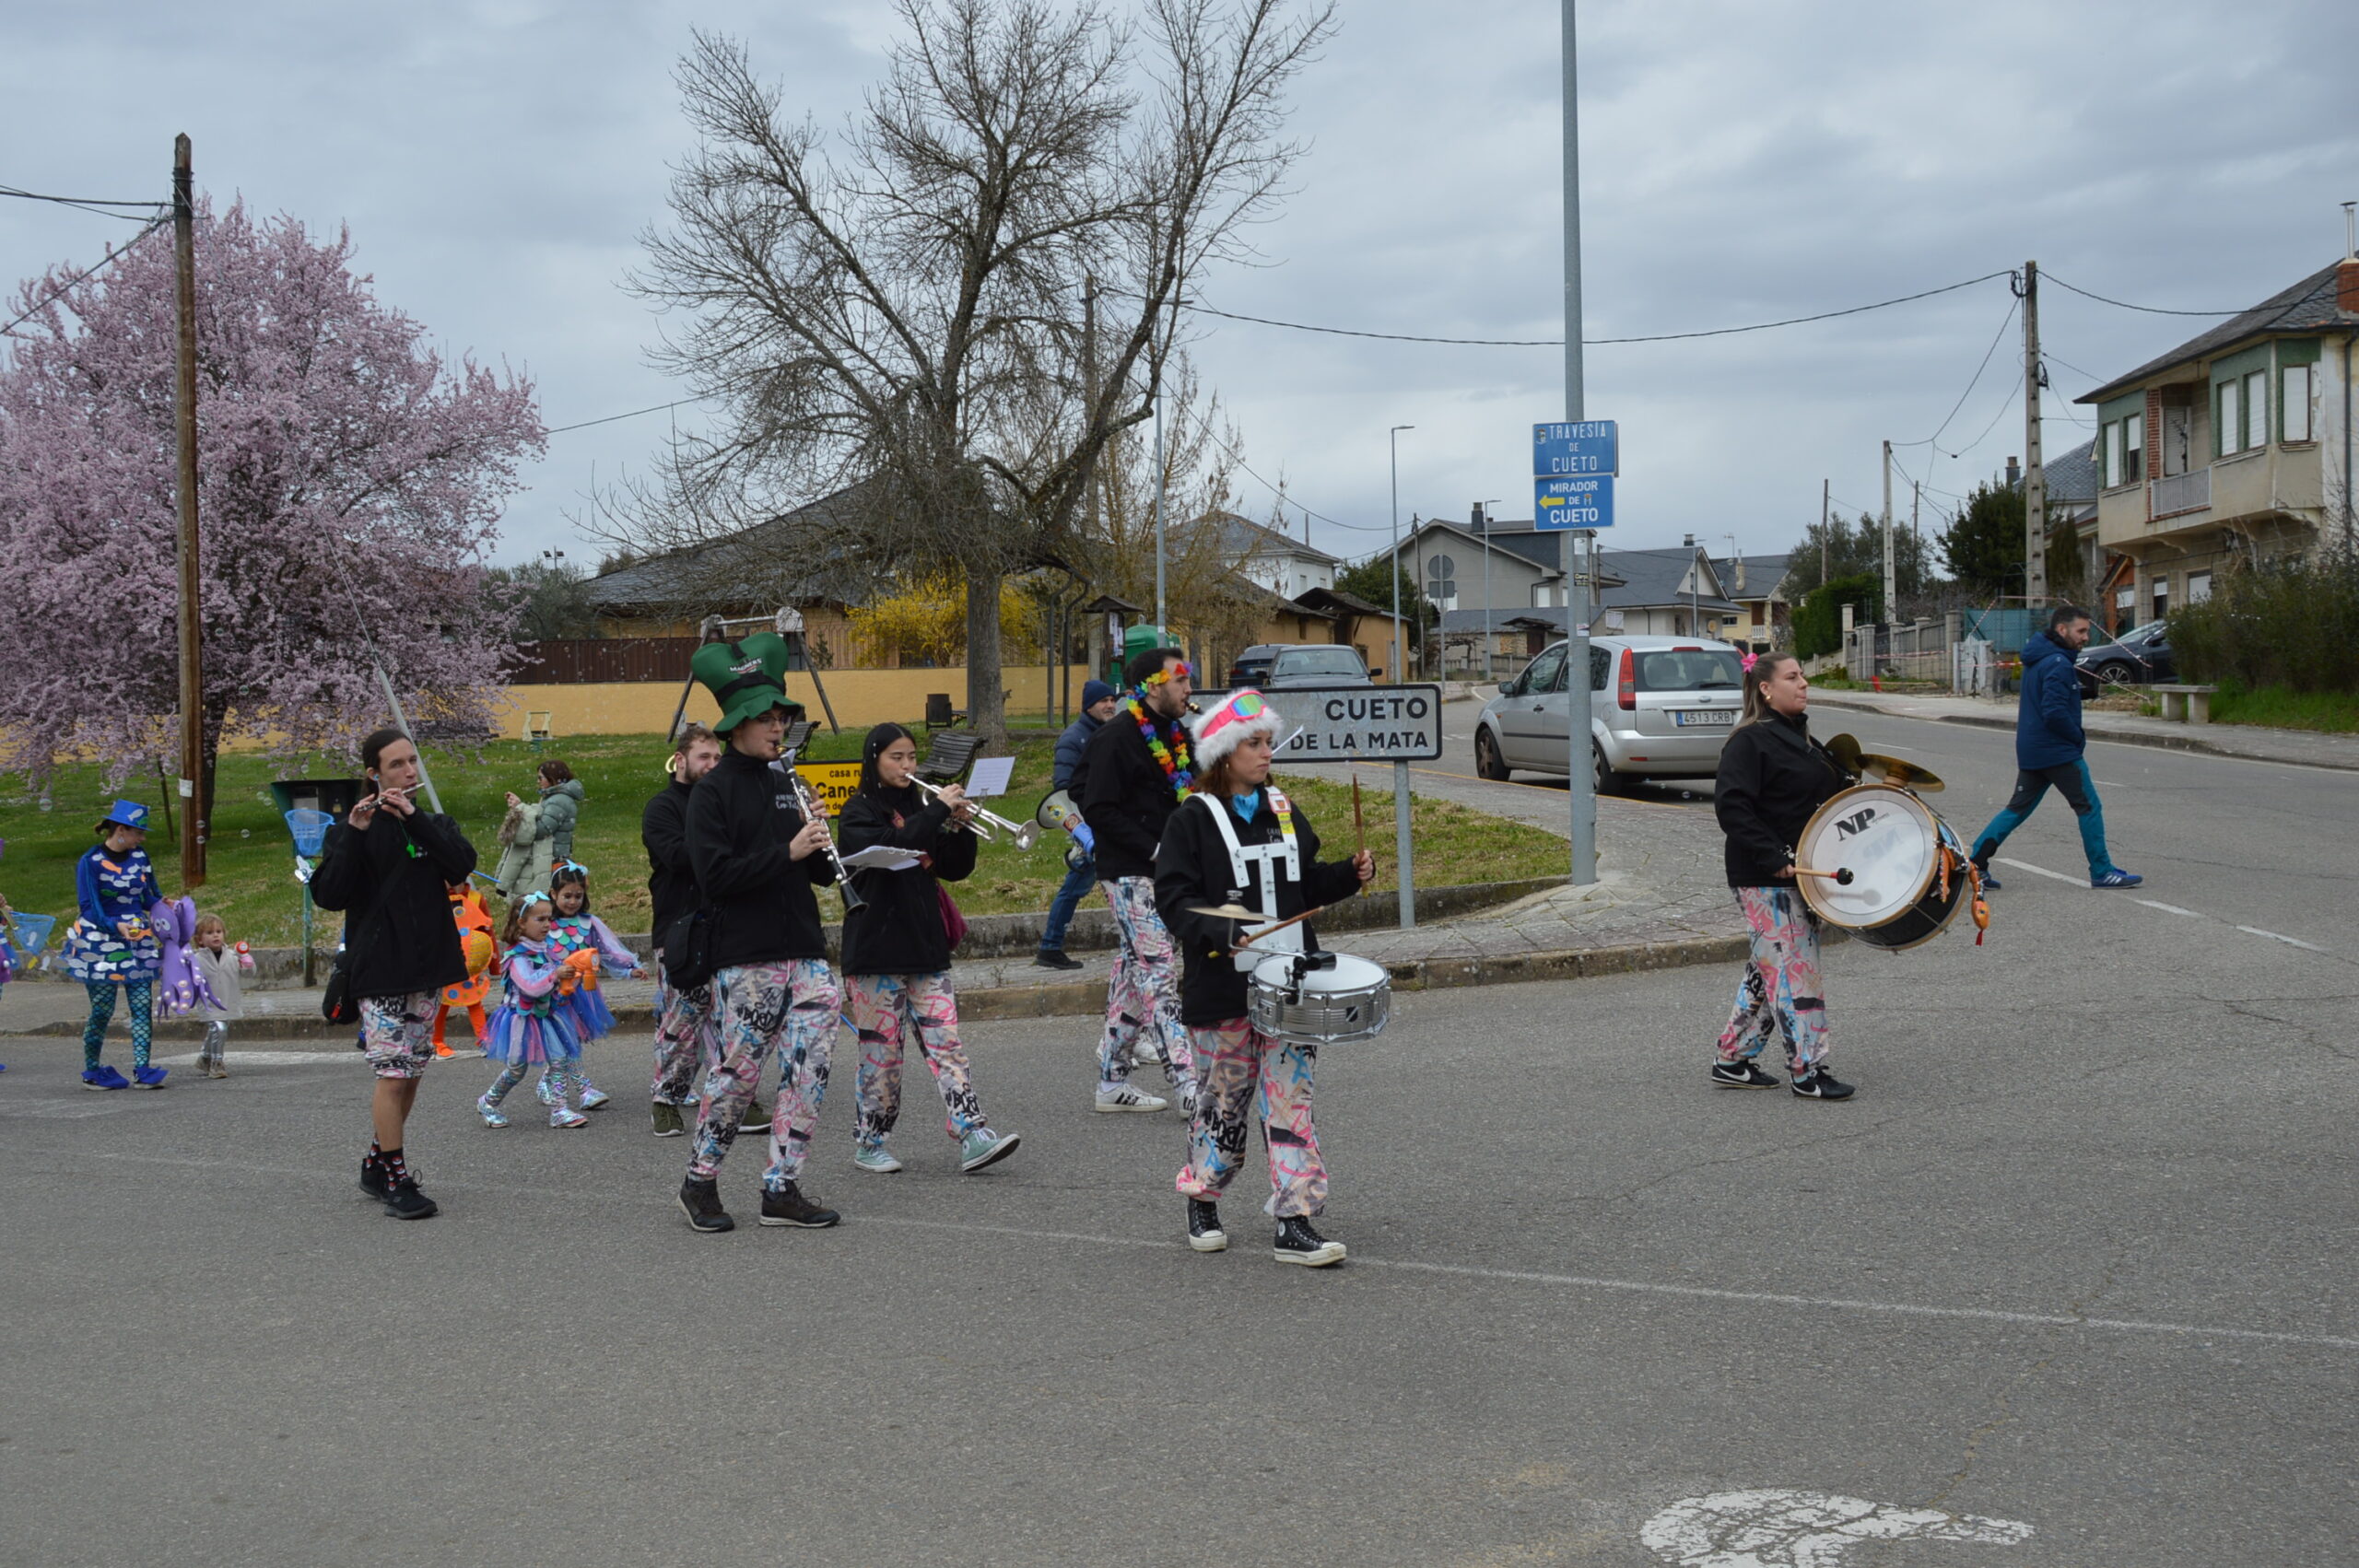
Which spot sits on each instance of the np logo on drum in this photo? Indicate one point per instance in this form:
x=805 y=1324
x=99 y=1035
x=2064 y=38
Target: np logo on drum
x=1851 y=825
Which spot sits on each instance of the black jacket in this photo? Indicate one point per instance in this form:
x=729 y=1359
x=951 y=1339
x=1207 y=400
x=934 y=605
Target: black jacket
x=399 y=937
x=1192 y=868
x=1773 y=776
x=1125 y=796
x=899 y=930
x=741 y=816
x=671 y=879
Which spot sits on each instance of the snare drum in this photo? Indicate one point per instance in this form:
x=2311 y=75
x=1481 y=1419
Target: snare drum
x=1346 y=1002
x=1908 y=873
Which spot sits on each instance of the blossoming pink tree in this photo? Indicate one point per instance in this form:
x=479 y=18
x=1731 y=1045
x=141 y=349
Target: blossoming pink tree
x=350 y=481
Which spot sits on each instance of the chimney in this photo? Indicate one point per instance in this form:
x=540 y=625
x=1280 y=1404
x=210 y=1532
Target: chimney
x=1476 y=519
x=2346 y=277
x=2014 y=474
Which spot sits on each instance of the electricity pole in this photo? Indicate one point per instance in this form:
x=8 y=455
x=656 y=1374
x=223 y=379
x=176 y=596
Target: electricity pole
x=2035 y=475
x=1400 y=677
x=1580 y=779
x=192 y=628
x=1824 y=486
x=1886 y=617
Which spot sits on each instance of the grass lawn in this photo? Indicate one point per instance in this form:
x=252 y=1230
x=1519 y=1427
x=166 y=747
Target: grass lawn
x=2336 y=712
x=251 y=884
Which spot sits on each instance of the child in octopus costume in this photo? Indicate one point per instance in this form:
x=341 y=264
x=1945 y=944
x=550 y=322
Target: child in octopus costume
x=531 y=1026
x=1239 y=841
x=473 y=916
x=113 y=943
x=574 y=933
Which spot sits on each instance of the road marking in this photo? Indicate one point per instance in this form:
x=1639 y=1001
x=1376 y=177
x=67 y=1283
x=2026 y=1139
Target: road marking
x=265 y=1058
x=1455 y=1271
x=2175 y=909
x=2169 y=908
x=62 y=1108
x=2288 y=940
x=2041 y=870
x=1779 y=1528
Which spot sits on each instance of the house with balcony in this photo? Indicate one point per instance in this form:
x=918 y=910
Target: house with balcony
x=2232 y=450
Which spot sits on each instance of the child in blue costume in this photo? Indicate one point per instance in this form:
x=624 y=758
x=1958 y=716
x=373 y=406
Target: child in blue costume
x=576 y=930
x=531 y=1025
x=113 y=945
x=8 y=947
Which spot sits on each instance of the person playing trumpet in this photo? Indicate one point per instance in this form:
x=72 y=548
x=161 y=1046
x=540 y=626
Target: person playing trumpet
x=897 y=951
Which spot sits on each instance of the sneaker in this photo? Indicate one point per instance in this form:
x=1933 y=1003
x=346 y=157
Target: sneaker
x=444 y=1051
x=1744 y=1073
x=2116 y=878
x=404 y=1202
x=566 y=1116
x=667 y=1120
x=485 y=1108
x=1054 y=958
x=372 y=1180
x=756 y=1118
x=103 y=1078
x=1115 y=1097
x=1204 y=1226
x=1188 y=1097
x=875 y=1159
x=216 y=1068
x=595 y=1099
x=148 y=1077
x=1820 y=1084
x=700 y=1201
x=1297 y=1243
x=789 y=1207
x=1989 y=882
x=982 y=1146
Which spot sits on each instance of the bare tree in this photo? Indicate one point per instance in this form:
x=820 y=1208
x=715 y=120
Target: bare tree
x=896 y=311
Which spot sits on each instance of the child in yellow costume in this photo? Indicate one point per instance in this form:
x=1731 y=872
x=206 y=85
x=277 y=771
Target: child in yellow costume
x=474 y=917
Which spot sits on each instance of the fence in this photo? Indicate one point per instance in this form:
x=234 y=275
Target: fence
x=1917 y=651
x=583 y=661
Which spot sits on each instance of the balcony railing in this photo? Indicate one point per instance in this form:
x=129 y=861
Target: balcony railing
x=2174 y=493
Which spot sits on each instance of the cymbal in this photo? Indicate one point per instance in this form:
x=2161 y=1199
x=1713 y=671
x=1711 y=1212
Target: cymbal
x=1227 y=911
x=1845 y=750
x=1906 y=775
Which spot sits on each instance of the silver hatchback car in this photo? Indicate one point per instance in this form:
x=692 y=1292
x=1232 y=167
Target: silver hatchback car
x=1659 y=708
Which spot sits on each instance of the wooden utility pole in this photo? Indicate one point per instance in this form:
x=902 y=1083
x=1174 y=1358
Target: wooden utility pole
x=1888 y=585
x=2035 y=475
x=1824 y=486
x=192 y=624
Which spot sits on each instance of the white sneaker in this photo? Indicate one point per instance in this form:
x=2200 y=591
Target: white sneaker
x=1123 y=1097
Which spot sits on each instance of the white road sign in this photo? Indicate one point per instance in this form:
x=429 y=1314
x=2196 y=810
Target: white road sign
x=1358 y=723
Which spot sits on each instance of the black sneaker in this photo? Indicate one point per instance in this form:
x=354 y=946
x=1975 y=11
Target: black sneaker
x=1297 y=1243
x=1054 y=958
x=372 y=1180
x=789 y=1207
x=1820 y=1084
x=1204 y=1226
x=404 y=1202
x=1744 y=1073
x=700 y=1201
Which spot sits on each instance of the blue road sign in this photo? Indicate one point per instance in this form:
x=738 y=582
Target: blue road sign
x=1586 y=445
x=1583 y=502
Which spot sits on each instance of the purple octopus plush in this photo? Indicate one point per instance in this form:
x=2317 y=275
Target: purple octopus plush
x=180 y=986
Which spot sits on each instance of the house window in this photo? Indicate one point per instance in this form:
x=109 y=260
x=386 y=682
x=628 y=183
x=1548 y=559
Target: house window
x=2133 y=449
x=2228 y=421
x=2125 y=607
x=2198 y=587
x=2113 y=455
x=2293 y=404
x=2257 y=409
x=2162 y=588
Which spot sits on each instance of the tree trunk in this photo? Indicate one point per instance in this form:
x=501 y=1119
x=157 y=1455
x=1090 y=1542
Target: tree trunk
x=986 y=709
x=216 y=715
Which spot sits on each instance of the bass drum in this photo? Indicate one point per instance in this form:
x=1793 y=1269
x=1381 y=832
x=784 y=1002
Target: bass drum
x=1908 y=870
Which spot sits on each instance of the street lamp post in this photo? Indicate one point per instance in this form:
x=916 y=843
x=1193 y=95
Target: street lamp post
x=1488 y=673
x=1400 y=769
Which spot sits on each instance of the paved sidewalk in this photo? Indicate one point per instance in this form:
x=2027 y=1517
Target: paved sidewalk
x=2310 y=748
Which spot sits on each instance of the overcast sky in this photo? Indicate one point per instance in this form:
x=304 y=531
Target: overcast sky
x=1742 y=161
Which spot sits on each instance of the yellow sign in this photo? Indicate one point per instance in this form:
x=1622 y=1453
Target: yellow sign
x=833 y=782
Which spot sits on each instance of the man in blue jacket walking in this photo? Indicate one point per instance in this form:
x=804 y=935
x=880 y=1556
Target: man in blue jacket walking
x=1096 y=707
x=2050 y=748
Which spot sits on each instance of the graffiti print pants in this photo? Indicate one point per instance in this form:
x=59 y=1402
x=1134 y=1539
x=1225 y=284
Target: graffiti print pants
x=1143 y=993
x=885 y=1010
x=1781 y=991
x=1245 y=1076
x=789 y=1007
x=686 y=1039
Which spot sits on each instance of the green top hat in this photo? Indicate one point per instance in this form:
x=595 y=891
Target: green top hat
x=747 y=678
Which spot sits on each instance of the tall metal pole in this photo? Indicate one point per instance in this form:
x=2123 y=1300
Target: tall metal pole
x=1400 y=675
x=1886 y=617
x=1825 y=487
x=1160 y=625
x=1580 y=781
x=192 y=626
x=2035 y=472
x=1488 y=636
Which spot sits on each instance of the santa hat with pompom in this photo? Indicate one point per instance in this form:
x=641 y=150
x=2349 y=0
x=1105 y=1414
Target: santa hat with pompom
x=1216 y=731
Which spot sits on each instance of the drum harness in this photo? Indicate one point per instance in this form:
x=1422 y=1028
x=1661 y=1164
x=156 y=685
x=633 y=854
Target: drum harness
x=1244 y=858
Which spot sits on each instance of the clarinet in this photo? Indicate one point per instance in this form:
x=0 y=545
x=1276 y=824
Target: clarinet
x=812 y=810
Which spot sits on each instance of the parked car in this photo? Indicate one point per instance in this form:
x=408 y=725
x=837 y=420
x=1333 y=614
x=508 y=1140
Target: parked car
x=1252 y=667
x=1659 y=708
x=1275 y=666
x=2133 y=658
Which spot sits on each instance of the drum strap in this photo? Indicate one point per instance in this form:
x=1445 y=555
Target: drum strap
x=1267 y=855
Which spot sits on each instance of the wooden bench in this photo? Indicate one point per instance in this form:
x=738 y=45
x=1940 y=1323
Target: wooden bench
x=537 y=728
x=2190 y=705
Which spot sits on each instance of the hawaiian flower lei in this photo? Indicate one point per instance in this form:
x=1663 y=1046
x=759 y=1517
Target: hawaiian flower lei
x=1180 y=769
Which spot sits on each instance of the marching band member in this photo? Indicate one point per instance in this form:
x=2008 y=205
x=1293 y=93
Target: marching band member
x=1773 y=776
x=897 y=952
x=1137 y=770
x=1243 y=843
x=684 y=1041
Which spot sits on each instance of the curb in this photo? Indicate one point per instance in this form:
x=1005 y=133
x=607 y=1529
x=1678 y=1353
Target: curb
x=1088 y=998
x=2123 y=737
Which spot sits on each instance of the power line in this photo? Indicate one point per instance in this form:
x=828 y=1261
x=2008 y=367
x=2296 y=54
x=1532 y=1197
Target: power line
x=2124 y=304
x=8 y=329
x=657 y=408
x=87 y=203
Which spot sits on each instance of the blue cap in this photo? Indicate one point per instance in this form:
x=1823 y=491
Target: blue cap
x=1095 y=692
x=128 y=813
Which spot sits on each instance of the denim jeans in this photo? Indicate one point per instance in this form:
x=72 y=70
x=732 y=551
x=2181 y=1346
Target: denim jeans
x=1078 y=882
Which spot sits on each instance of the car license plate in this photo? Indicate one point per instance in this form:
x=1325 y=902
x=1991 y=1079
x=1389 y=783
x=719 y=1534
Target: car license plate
x=1693 y=716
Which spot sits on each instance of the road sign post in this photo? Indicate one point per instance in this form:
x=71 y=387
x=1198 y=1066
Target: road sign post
x=1574 y=465
x=1394 y=724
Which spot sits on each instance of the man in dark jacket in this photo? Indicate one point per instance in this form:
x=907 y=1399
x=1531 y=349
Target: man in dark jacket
x=1136 y=770
x=2049 y=750
x=388 y=866
x=685 y=1033
x=756 y=861
x=1096 y=707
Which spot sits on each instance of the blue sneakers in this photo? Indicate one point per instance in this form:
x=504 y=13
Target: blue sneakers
x=2116 y=878
x=103 y=1077
x=146 y=1076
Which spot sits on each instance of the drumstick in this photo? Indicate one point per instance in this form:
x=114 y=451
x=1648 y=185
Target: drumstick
x=1272 y=931
x=1841 y=877
x=1359 y=823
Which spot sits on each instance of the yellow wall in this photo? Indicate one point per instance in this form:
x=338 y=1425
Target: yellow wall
x=862 y=697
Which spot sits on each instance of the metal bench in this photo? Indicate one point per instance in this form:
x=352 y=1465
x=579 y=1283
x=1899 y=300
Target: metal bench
x=947 y=756
x=2190 y=704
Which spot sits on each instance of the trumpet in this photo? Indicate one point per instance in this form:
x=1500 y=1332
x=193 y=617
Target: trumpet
x=814 y=811
x=987 y=824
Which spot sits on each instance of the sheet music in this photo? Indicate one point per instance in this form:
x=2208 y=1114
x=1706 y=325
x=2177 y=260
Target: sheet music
x=990 y=776
x=880 y=858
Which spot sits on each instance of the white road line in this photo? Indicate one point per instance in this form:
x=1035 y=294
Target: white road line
x=2169 y=908
x=1456 y=1271
x=2288 y=940
x=2175 y=909
x=2041 y=870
